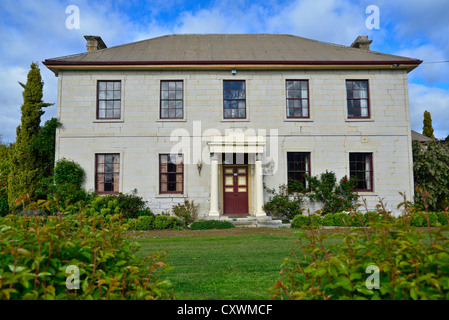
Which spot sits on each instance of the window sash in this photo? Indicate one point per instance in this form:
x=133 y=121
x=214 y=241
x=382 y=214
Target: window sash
x=107 y=175
x=357 y=97
x=361 y=167
x=298 y=164
x=109 y=99
x=171 y=173
x=297 y=96
x=172 y=99
x=234 y=99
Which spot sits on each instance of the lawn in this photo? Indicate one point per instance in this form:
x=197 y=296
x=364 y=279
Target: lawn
x=222 y=264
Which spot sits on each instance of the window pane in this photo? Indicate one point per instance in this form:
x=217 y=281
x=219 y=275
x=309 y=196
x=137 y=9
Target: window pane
x=109 y=85
x=117 y=85
x=102 y=85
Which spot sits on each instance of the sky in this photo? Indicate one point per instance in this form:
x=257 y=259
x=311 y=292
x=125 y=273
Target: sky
x=32 y=31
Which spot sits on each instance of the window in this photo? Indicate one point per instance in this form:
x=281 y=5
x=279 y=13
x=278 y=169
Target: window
x=357 y=98
x=171 y=170
x=361 y=167
x=109 y=99
x=172 y=99
x=234 y=99
x=107 y=173
x=298 y=164
x=297 y=98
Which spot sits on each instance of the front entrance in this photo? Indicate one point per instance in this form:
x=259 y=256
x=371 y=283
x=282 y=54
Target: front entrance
x=235 y=189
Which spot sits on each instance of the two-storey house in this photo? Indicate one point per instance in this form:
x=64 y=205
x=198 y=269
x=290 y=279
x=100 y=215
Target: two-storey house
x=214 y=118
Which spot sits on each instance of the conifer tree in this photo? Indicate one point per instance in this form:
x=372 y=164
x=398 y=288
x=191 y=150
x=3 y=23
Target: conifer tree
x=427 y=129
x=25 y=164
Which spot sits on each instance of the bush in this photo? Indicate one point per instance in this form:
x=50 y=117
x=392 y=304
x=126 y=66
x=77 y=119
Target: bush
x=145 y=223
x=131 y=206
x=335 y=197
x=211 y=224
x=284 y=204
x=35 y=252
x=299 y=221
x=412 y=264
x=187 y=212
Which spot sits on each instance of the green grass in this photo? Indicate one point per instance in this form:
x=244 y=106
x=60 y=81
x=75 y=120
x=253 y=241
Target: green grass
x=215 y=267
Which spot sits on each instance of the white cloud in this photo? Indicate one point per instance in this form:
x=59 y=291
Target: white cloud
x=434 y=100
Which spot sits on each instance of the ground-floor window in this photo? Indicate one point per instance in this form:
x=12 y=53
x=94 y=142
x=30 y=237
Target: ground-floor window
x=298 y=165
x=171 y=173
x=361 y=167
x=107 y=172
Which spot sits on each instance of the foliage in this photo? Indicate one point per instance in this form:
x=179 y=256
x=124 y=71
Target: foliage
x=211 y=224
x=335 y=197
x=412 y=264
x=284 y=204
x=187 y=212
x=152 y=222
x=130 y=205
x=4 y=210
x=427 y=129
x=35 y=252
x=25 y=164
x=431 y=174
x=45 y=145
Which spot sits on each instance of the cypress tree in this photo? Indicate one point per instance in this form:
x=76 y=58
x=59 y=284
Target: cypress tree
x=25 y=163
x=427 y=129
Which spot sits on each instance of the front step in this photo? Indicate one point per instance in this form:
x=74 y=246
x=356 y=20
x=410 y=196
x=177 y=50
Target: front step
x=254 y=222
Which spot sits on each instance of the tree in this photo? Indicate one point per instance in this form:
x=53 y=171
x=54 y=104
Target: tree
x=427 y=129
x=431 y=174
x=24 y=161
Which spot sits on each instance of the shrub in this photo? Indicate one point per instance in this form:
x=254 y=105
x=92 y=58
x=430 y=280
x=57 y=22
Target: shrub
x=284 y=204
x=335 y=197
x=35 y=252
x=131 y=206
x=145 y=223
x=412 y=264
x=316 y=220
x=67 y=171
x=300 y=221
x=187 y=212
x=211 y=224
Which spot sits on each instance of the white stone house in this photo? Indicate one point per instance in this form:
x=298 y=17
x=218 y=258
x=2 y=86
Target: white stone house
x=213 y=118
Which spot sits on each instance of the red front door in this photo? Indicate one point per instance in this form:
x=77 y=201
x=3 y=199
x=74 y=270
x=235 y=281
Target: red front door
x=235 y=189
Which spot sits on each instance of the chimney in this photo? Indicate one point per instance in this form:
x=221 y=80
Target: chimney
x=362 y=42
x=94 y=43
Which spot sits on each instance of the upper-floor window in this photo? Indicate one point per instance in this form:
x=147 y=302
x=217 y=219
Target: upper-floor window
x=298 y=165
x=172 y=97
x=107 y=172
x=171 y=173
x=109 y=99
x=357 y=98
x=234 y=99
x=297 y=98
x=361 y=167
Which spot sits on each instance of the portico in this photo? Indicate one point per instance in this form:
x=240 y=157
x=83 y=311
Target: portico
x=240 y=182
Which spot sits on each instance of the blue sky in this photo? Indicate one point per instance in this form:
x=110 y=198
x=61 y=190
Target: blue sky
x=36 y=30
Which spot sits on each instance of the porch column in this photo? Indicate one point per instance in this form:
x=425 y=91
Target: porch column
x=258 y=182
x=213 y=212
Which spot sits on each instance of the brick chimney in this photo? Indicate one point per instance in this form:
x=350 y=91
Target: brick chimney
x=94 y=43
x=362 y=42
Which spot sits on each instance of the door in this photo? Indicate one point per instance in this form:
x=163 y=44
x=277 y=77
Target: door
x=235 y=189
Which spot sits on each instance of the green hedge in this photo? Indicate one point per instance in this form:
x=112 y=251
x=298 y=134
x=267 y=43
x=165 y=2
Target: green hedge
x=151 y=222
x=342 y=219
x=211 y=224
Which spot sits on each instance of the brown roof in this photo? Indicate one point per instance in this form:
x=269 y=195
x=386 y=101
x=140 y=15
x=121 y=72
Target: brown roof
x=420 y=137
x=232 y=49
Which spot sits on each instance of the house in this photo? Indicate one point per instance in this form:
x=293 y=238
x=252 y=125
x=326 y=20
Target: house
x=215 y=117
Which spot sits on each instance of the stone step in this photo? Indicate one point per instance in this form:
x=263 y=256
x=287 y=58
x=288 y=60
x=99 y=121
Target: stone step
x=253 y=222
